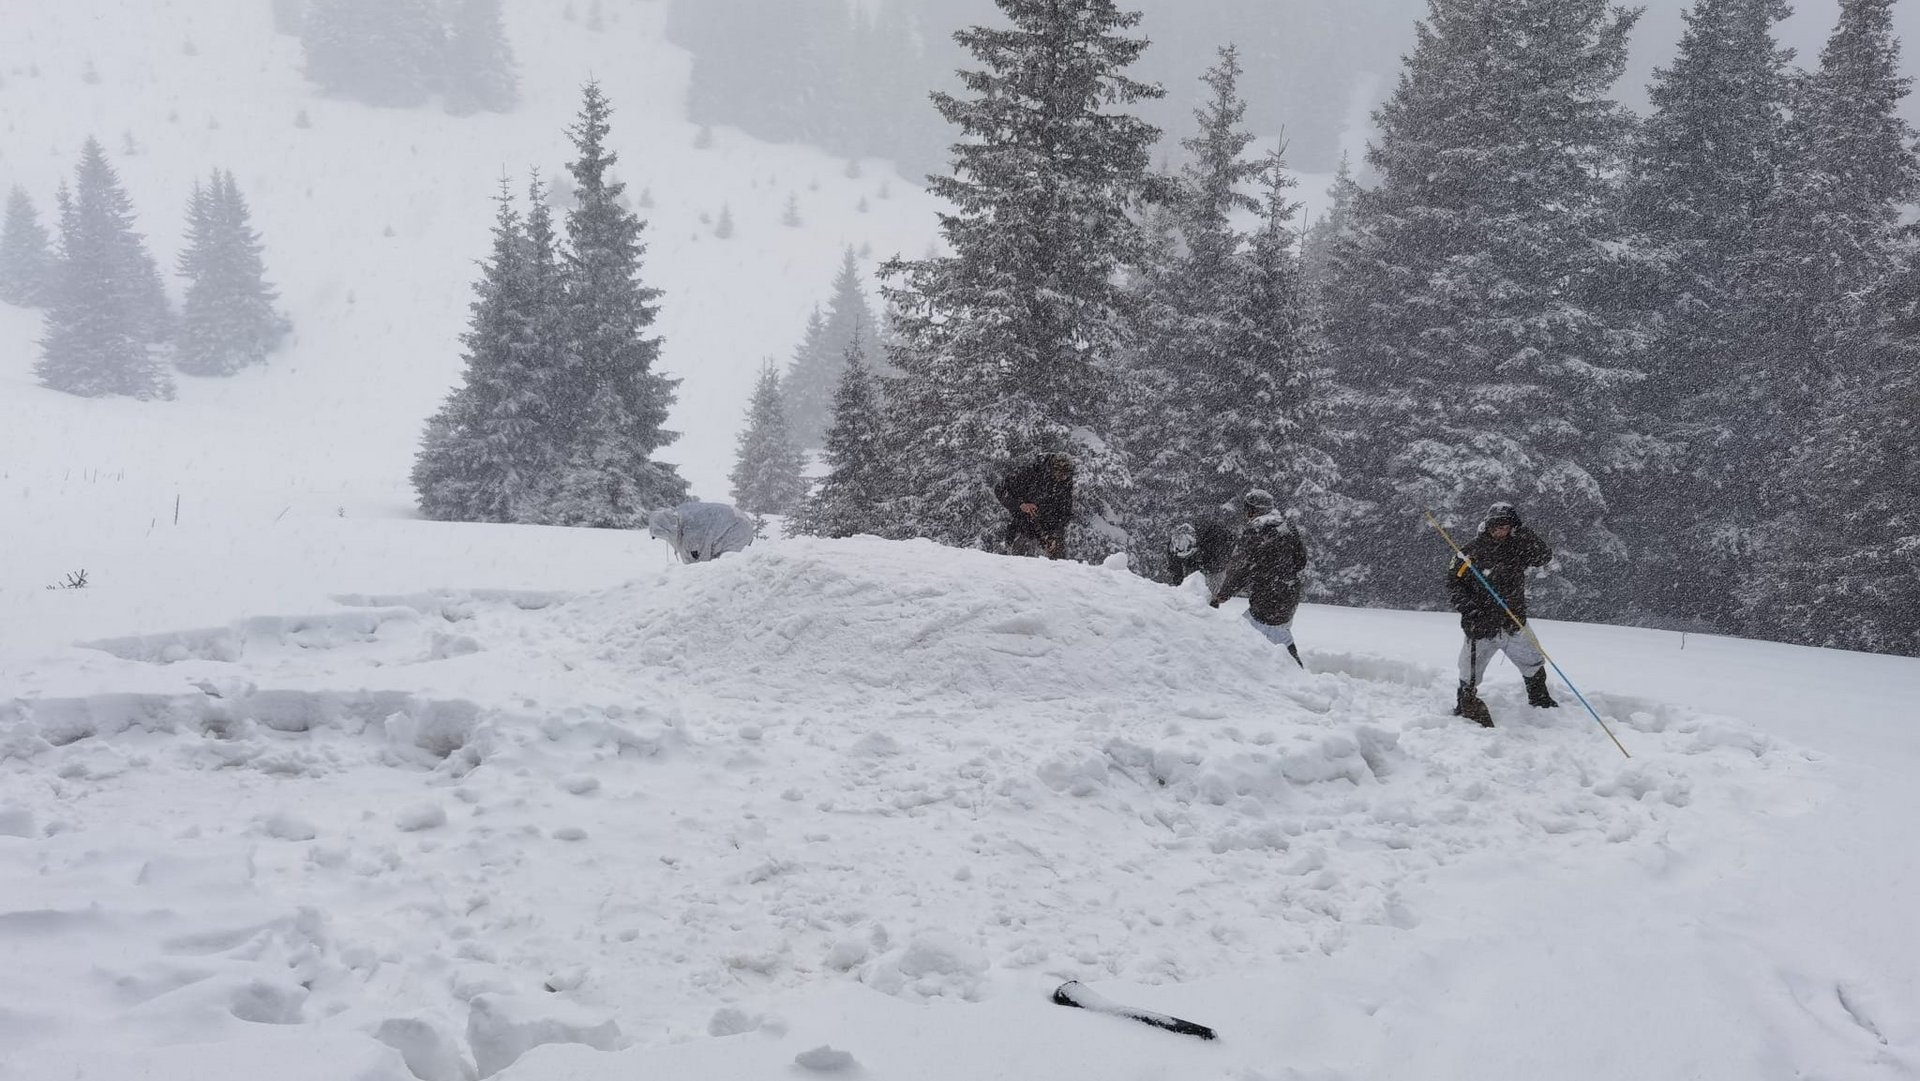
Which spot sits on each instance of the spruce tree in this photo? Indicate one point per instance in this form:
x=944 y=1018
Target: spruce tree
x=1472 y=308
x=480 y=66
x=488 y=454
x=439 y=476
x=1705 y=173
x=543 y=352
x=1232 y=365
x=1194 y=383
x=99 y=314
x=1329 y=229
x=1280 y=427
x=1850 y=171
x=1010 y=344
x=1834 y=563
x=814 y=373
x=26 y=261
x=136 y=276
x=449 y=467
x=856 y=494
x=1839 y=566
x=228 y=321
x=609 y=395
x=1829 y=242
x=767 y=466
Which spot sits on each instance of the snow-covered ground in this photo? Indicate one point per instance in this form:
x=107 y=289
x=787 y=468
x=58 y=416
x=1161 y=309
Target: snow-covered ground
x=466 y=792
x=299 y=787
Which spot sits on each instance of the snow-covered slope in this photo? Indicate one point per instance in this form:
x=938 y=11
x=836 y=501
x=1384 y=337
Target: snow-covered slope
x=882 y=796
x=372 y=221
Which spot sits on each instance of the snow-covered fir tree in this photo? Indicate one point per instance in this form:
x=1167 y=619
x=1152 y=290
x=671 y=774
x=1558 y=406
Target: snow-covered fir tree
x=1829 y=242
x=1284 y=428
x=767 y=467
x=856 y=494
x=99 y=314
x=228 y=320
x=138 y=275
x=1321 y=238
x=1198 y=426
x=26 y=260
x=1705 y=173
x=480 y=74
x=814 y=373
x=1836 y=563
x=1010 y=345
x=489 y=454
x=1840 y=565
x=438 y=476
x=610 y=395
x=1829 y=246
x=381 y=52
x=1472 y=307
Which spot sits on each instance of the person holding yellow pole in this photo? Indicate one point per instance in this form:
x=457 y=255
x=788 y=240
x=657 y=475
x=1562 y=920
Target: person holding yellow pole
x=1503 y=552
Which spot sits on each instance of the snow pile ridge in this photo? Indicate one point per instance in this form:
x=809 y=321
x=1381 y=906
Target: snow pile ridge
x=866 y=617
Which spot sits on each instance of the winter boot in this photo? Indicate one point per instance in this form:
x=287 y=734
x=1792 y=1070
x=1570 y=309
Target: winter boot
x=1294 y=652
x=1469 y=705
x=1537 y=695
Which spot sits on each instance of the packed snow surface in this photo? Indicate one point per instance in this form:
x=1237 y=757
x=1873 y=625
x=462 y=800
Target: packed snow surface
x=845 y=806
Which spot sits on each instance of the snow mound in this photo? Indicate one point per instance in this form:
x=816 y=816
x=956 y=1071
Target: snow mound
x=913 y=622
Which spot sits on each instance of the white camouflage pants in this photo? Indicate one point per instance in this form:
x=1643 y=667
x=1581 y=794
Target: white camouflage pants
x=1280 y=634
x=1476 y=653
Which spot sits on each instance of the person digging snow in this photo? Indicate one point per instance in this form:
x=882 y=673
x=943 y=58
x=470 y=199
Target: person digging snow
x=1039 y=501
x=1267 y=563
x=699 y=532
x=1205 y=543
x=1502 y=552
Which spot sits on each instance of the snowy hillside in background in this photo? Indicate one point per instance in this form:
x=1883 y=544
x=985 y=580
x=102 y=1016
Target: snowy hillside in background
x=641 y=820
x=373 y=220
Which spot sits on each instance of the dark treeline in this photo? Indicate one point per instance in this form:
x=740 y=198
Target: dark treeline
x=854 y=78
x=401 y=53
x=1683 y=342
x=856 y=82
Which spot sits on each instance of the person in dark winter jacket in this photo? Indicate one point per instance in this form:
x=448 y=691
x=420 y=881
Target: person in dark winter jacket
x=1267 y=563
x=1503 y=552
x=1205 y=543
x=1039 y=501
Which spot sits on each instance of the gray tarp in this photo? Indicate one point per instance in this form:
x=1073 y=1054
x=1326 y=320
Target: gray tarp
x=701 y=531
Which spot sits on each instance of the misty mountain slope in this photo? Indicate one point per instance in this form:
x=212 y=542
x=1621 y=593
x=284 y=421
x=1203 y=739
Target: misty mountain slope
x=372 y=220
